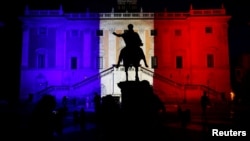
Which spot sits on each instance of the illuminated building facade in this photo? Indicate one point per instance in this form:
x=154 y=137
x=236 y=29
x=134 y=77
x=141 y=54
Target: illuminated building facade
x=72 y=54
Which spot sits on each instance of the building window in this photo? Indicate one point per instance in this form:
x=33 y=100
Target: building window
x=210 y=60
x=99 y=33
x=100 y=62
x=41 y=61
x=179 y=63
x=177 y=32
x=75 y=33
x=208 y=30
x=73 y=63
x=42 y=31
x=153 y=32
x=154 y=62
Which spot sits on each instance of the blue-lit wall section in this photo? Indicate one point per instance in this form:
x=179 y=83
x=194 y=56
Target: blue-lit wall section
x=57 y=53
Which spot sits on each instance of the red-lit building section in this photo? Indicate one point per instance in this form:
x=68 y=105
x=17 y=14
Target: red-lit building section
x=192 y=55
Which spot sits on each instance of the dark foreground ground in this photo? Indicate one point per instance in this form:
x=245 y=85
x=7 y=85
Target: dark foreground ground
x=224 y=117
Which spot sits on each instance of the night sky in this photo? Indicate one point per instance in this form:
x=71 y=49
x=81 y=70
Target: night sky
x=239 y=25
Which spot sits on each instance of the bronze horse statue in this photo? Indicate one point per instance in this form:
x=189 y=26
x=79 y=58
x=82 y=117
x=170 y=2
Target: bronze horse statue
x=131 y=57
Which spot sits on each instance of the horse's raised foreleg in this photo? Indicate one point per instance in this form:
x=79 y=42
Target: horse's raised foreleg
x=142 y=56
x=144 y=60
x=120 y=58
x=119 y=61
x=145 y=63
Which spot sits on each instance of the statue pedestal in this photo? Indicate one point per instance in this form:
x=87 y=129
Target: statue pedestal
x=131 y=95
x=139 y=106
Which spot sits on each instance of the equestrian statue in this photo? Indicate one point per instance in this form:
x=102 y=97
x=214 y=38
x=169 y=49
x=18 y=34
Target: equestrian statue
x=132 y=53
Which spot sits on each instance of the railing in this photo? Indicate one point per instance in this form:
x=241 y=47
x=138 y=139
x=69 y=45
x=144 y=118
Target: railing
x=44 y=12
x=52 y=88
x=133 y=15
x=143 y=70
x=94 y=77
x=180 y=85
x=79 y=84
x=127 y=15
x=160 y=77
x=202 y=87
x=208 y=12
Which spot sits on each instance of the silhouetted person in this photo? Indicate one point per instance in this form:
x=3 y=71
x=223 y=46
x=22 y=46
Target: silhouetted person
x=75 y=117
x=41 y=125
x=153 y=108
x=97 y=102
x=185 y=118
x=110 y=115
x=179 y=111
x=64 y=101
x=131 y=54
x=97 y=107
x=82 y=118
x=204 y=103
x=74 y=101
x=58 y=121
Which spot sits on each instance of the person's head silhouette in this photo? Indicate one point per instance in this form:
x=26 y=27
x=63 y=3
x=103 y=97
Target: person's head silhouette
x=130 y=27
